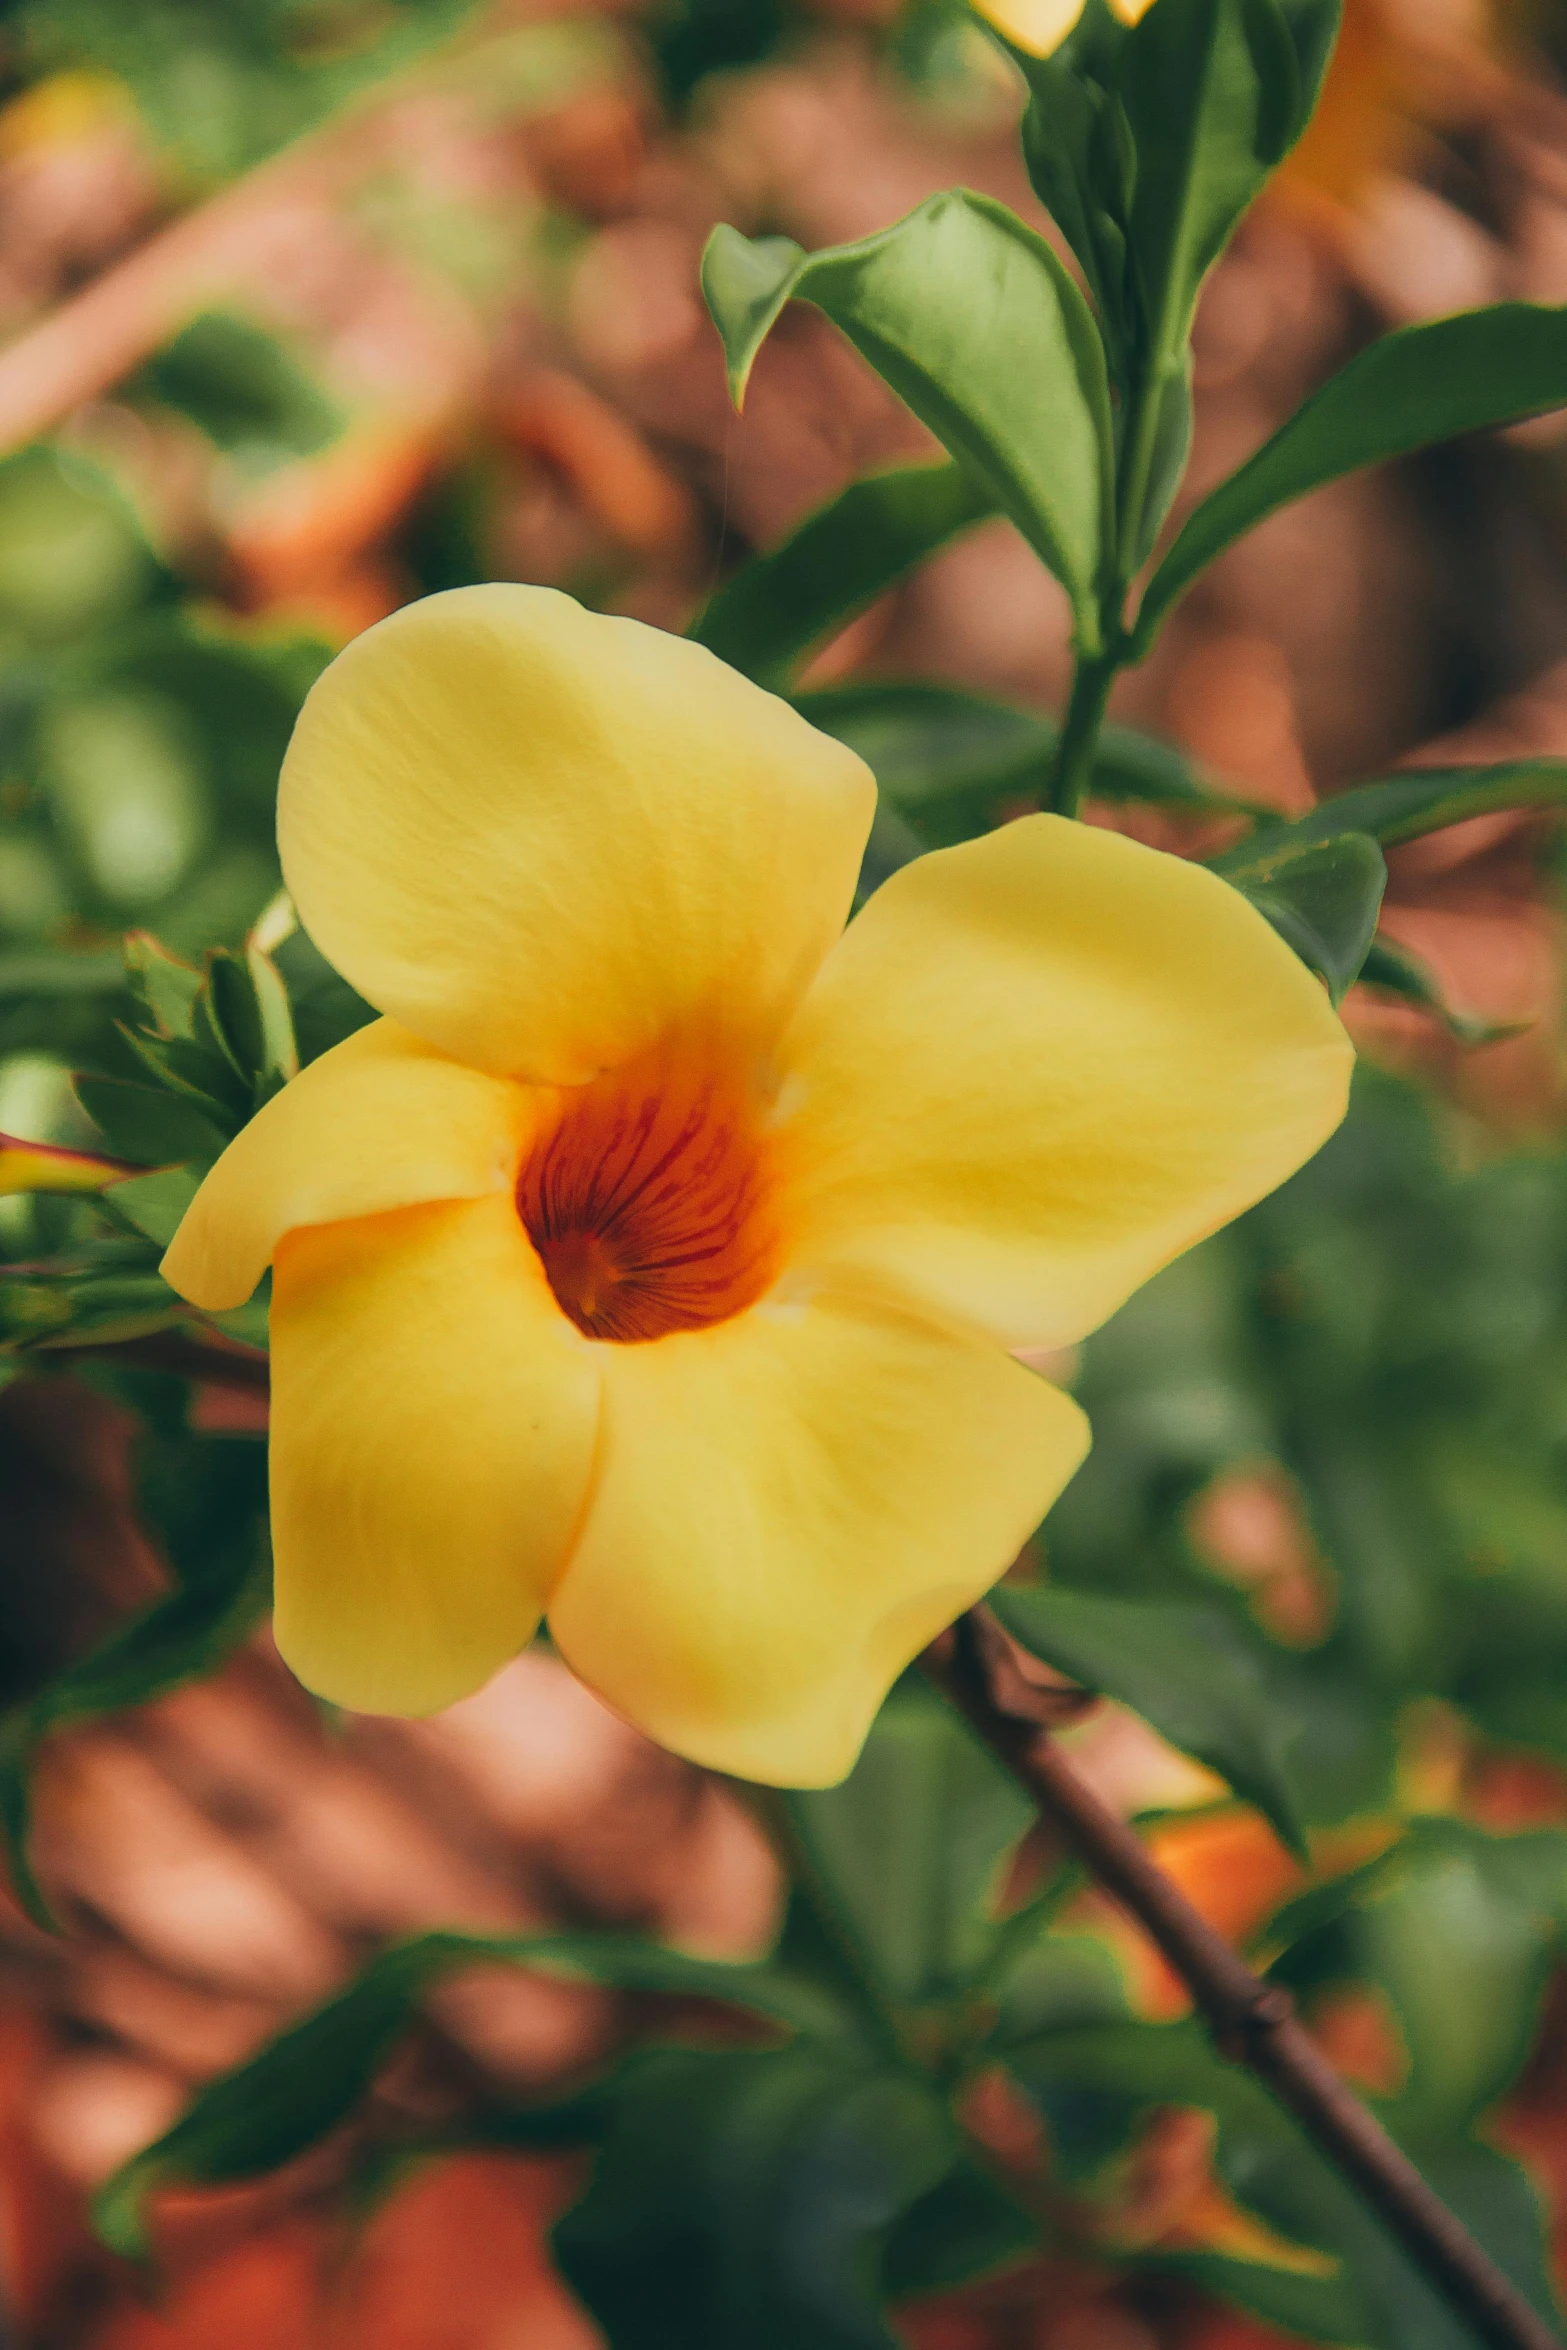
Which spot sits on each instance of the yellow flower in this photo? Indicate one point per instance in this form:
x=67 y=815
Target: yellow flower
x=1040 y=26
x=653 y=1264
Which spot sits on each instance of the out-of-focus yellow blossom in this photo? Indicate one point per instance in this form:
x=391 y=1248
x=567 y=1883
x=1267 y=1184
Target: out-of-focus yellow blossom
x=1040 y=26
x=654 y=1262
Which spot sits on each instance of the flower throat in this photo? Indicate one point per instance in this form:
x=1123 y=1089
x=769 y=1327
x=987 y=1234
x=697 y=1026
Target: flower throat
x=648 y=1202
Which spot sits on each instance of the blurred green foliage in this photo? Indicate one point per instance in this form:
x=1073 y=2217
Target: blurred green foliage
x=242 y=388
x=221 y=83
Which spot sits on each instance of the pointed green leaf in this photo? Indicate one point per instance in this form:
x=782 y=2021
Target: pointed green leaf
x=952 y=764
x=149 y=1127
x=236 y=1013
x=1212 y=92
x=323 y=1008
x=1323 y=900
x=1131 y=765
x=1147 y=147
x=279 y=1045
x=949 y=763
x=977 y=326
x=1422 y=385
x=155 y=1204
x=1078 y=146
x=838 y=561
x=302 y=2084
x=745 y=282
x=1172 y=447
x=104 y=1308
x=1428 y=799
x=1395 y=971
x=164 y=986
x=1194 y=1672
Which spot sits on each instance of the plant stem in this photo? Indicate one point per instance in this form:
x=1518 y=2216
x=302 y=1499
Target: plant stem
x=1074 y=764
x=1136 y=471
x=1252 y=2022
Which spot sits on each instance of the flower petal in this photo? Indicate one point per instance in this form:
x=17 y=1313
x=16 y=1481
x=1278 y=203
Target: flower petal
x=1039 y=26
x=789 y=1506
x=434 y=1416
x=542 y=839
x=1041 y=1065
x=381 y=1121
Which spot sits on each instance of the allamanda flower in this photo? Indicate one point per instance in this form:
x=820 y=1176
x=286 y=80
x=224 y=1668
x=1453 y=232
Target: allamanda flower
x=654 y=1262
x=1040 y=26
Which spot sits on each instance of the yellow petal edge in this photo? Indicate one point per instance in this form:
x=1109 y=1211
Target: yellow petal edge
x=434 y=1418
x=543 y=839
x=788 y=1507
x=381 y=1121
x=1039 y=1066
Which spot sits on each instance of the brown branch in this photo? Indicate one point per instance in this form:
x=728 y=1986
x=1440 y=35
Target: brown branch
x=1253 y=2023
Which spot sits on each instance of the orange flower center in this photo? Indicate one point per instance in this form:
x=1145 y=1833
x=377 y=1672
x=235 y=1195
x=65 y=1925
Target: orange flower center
x=649 y=1203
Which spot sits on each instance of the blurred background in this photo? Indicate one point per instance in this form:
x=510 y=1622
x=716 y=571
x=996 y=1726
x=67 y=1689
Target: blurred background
x=312 y=306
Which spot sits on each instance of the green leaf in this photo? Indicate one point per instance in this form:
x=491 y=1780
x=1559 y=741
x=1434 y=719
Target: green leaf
x=242 y=387
x=1107 y=2077
x=108 y=1290
x=1192 y=1671
x=977 y=326
x=1395 y=971
x=302 y=2084
x=744 y=2201
x=1428 y=799
x=1077 y=143
x=1311 y=1914
x=165 y=987
x=279 y=1044
x=952 y=764
x=154 y=1204
x=908 y=1851
x=1096 y=2087
x=838 y=561
x=947 y=762
x=178 y=1639
x=1130 y=765
x=152 y=1128
x=323 y=1008
x=1212 y=94
x=966 y=2227
x=1422 y=385
x=230 y=998
x=745 y=282
x=104 y=1308
x=1173 y=426
x=1323 y=899
x=1147 y=146
x=1460 y=1938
